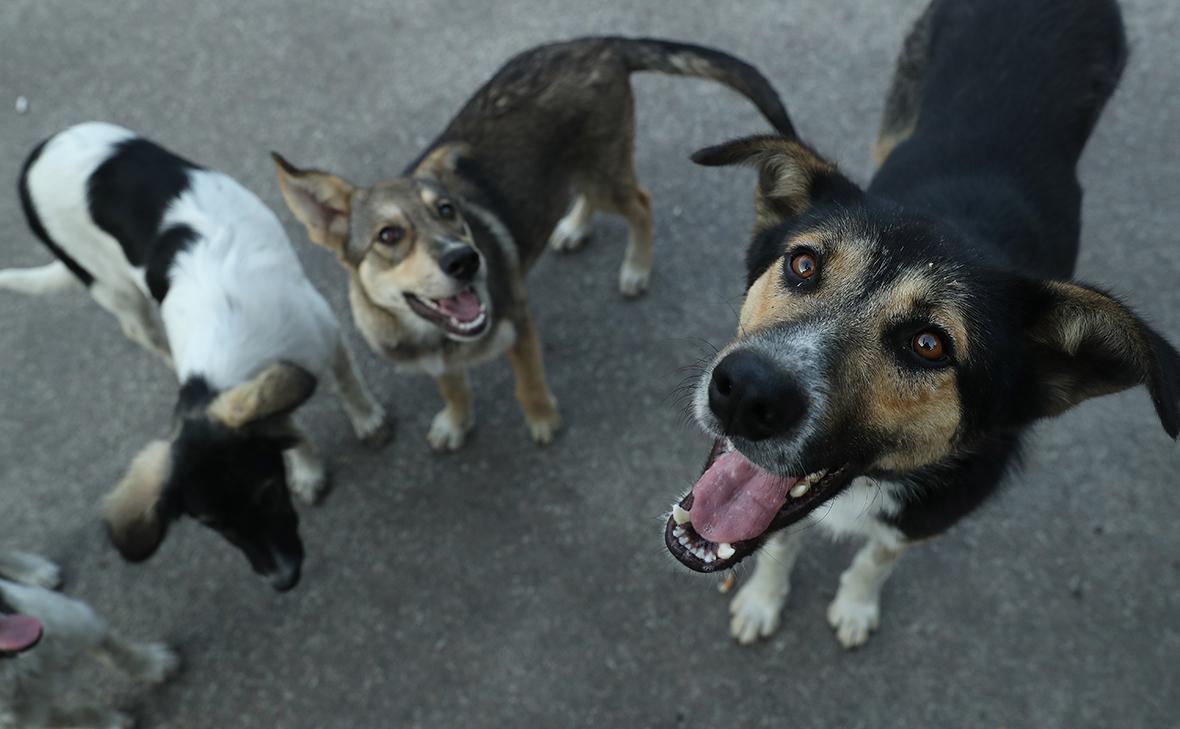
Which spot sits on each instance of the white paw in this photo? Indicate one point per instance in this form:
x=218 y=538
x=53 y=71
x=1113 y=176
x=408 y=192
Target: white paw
x=756 y=612
x=853 y=619
x=445 y=434
x=308 y=481
x=160 y=663
x=568 y=236
x=36 y=571
x=543 y=429
x=633 y=281
x=375 y=429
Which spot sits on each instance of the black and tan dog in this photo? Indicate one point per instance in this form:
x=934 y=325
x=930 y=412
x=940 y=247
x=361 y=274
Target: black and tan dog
x=437 y=257
x=896 y=341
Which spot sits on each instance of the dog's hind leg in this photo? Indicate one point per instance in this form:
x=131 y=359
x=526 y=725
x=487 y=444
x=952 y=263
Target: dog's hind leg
x=856 y=611
x=451 y=425
x=368 y=418
x=152 y=663
x=574 y=229
x=136 y=317
x=29 y=569
x=47 y=279
x=757 y=607
x=905 y=91
x=532 y=389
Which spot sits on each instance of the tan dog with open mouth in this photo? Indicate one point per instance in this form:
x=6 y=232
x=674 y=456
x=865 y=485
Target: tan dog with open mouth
x=437 y=257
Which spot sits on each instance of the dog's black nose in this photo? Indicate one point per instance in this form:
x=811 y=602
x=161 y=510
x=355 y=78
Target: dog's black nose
x=460 y=262
x=753 y=398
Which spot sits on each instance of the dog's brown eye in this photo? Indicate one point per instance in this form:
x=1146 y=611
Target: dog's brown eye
x=928 y=346
x=391 y=234
x=446 y=211
x=804 y=264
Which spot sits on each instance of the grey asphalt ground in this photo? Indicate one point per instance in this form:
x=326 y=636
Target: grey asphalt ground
x=513 y=586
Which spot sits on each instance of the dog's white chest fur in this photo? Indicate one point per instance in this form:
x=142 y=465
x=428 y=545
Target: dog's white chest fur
x=858 y=512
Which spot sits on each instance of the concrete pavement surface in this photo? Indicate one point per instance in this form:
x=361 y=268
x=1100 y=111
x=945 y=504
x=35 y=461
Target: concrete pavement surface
x=515 y=586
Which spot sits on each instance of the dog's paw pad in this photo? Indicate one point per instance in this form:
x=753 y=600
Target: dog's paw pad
x=633 y=281
x=755 y=613
x=376 y=430
x=853 y=620
x=445 y=435
x=160 y=663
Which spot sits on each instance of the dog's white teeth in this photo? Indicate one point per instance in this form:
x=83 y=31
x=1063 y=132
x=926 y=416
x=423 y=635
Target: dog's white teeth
x=800 y=488
x=725 y=550
x=677 y=531
x=710 y=558
x=683 y=540
x=680 y=516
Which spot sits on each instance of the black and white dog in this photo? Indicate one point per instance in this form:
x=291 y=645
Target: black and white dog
x=43 y=634
x=199 y=270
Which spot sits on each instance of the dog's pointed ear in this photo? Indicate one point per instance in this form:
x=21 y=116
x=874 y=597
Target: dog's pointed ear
x=135 y=512
x=275 y=391
x=319 y=200
x=1083 y=343
x=792 y=178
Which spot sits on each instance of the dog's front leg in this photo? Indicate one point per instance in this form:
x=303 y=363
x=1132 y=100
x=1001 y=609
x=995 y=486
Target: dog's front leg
x=757 y=607
x=532 y=390
x=856 y=611
x=306 y=474
x=450 y=426
x=368 y=418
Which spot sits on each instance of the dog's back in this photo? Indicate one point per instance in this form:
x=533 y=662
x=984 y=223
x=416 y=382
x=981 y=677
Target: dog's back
x=991 y=108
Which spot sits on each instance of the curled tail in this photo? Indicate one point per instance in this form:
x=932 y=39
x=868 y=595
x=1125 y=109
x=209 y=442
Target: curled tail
x=685 y=59
x=47 y=279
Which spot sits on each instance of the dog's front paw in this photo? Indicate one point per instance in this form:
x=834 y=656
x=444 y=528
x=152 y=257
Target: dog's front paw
x=755 y=613
x=308 y=480
x=34 y=570
x=568 y=236
x=853 y=619
x=633 y=281
x=375 y=430
x=446 y=435
x=160 y=663
x=542 y=428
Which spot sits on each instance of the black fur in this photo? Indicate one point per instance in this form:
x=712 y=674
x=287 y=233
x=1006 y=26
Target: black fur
x=38 y=228
x=129 y=194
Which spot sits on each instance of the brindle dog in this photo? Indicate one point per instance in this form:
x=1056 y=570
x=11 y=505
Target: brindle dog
x=437 y=257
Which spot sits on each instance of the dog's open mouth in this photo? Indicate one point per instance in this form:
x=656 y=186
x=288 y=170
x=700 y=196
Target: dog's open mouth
x=735 y=503
x=463 y=314
x=18 y=633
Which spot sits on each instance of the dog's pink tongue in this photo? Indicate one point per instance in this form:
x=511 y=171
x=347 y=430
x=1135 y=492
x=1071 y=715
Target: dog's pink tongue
x=734 y=500
x=18 y=632
x=465 y=307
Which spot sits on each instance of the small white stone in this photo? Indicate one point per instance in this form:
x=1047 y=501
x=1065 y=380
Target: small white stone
x=22 y=105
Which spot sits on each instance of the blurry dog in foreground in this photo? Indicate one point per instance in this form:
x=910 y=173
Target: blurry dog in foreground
x=43 y=634
x=437 y=258
x=896 y=341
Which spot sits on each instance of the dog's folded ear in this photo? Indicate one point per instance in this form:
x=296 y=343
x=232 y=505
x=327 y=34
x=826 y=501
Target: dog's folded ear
x=792 y=178
x=135 y=512
x=319 y=200
x=276 y=391
x=1083 y=343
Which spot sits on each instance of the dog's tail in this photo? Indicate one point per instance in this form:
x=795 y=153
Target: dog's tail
x=685 y=59
x=50 y=278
